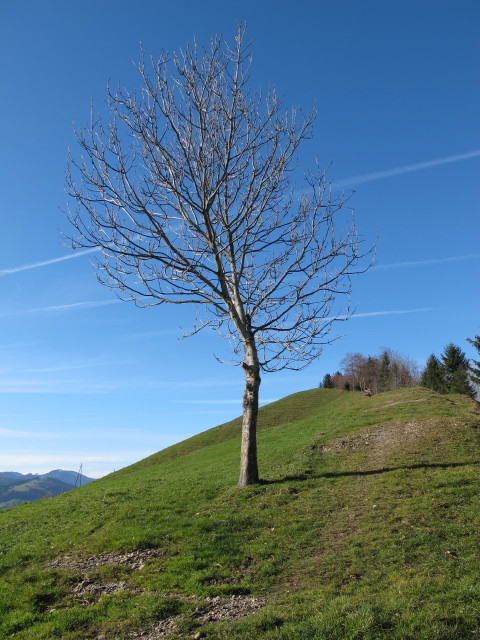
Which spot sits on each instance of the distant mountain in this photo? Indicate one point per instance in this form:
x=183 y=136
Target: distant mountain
x=10 y=478
x=69 y=477
x=16 y=488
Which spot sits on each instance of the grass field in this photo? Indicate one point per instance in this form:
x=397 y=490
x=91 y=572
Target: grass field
x=365 y=526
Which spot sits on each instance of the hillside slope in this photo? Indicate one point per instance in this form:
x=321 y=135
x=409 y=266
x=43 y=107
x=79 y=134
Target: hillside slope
x=365 y=527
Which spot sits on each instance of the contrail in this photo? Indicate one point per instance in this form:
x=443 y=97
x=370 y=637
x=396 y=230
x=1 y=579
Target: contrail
x=388 y=313
x=88 y=304
x=378 y=175
x=424 y=263
x=371 y=314
x=44 y=263
x=346 y=182
x=74 y=305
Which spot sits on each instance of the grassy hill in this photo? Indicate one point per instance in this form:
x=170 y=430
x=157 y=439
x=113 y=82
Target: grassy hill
x=365 y=527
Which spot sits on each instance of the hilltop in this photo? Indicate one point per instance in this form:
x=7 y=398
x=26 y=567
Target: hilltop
x=365 y=526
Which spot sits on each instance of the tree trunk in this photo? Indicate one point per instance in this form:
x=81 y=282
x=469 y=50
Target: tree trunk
x=248 y=455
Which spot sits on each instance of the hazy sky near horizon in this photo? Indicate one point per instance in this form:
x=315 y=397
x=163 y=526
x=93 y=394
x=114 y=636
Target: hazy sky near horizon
x=85 y=378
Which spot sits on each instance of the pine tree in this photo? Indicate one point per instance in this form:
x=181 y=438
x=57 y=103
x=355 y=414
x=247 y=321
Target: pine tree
x=432 y=375
x=474 y=368
x=372 y=366
x=460 y=383
x=327 y=382
x=455 y=367
x=384 y=375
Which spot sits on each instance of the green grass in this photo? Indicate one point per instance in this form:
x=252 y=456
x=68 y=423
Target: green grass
x=365 y=527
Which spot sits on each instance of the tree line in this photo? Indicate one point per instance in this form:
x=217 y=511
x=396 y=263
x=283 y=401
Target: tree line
x=451 y=372
x=385 y=372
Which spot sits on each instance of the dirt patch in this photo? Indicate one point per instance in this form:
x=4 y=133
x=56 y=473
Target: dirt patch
x=232 y=608
x=380 y=441
x=209 y=610
x=90 y=587
x=87 y=592
x=134 y=560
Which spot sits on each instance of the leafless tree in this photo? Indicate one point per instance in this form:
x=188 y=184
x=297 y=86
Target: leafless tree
x=187 y=190
x=353 y=367
x=364 y=372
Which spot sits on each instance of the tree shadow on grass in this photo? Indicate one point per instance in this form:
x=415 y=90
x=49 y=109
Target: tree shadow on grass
x=369 y=472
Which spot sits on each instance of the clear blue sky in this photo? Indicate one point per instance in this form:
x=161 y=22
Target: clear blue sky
x=86 y=379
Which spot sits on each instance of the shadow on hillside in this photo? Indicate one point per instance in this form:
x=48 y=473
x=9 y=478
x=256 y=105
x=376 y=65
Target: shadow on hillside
x=369 y=472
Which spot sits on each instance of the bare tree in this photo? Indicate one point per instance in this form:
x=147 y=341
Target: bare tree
x=187 y=191
x=353 y=367
x=390 y=370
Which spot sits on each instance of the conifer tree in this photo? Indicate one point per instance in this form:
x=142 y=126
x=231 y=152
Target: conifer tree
x=371 y=374
x=474 y=368
x=455 y=367
x=432 y=375
x=460 y=383
x=385 y=372
x=327 y=382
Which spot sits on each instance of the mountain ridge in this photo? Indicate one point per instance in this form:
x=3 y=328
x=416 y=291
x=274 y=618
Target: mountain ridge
x=17 y=488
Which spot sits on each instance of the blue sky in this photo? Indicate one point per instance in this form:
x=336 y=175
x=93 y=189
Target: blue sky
x=87 y=379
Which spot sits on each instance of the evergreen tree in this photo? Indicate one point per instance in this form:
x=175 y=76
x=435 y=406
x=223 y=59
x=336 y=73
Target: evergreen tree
x=432 y=375
x=372 y=367
x=474 y=368
x=455 y=367
x=385 y=372
x=327 y=382
x=460 y=383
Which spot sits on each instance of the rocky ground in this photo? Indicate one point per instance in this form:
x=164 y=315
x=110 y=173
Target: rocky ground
x=208 y=610
x=87 y=591
x=134 y=560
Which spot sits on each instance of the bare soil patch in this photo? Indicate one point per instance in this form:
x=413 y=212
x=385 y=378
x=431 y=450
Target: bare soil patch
x=381 y=441
x=209 y=610
x=87 y=591
x=134 y=560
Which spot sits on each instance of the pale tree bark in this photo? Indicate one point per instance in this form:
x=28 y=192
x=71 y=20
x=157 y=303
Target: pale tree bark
x=248 y=453
x=188 y=193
